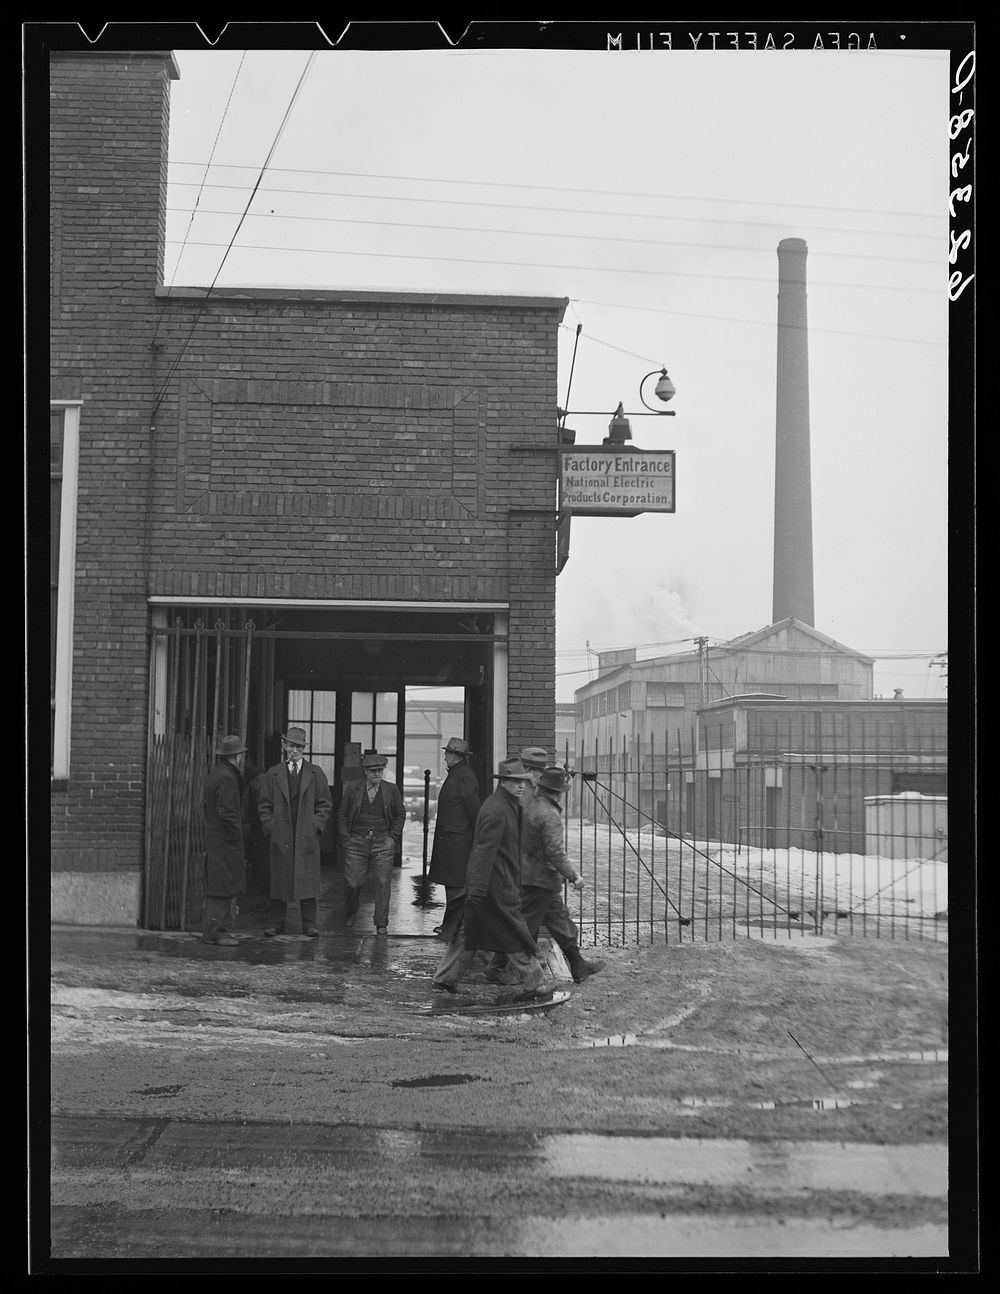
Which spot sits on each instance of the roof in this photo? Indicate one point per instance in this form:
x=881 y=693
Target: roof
x=769 y=631
x=732 y=647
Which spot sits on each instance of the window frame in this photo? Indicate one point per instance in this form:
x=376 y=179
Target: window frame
x=61 y=690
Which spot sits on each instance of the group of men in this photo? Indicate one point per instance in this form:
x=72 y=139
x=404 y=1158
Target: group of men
x=294 y=805
x=502 y=861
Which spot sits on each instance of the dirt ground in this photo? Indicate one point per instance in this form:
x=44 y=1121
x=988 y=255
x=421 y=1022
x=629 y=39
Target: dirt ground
x=804 y=1037
x=315 y=1093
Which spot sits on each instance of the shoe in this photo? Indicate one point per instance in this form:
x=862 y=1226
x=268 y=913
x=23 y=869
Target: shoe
x=583 y=970
x=443 y=988
x=350 y=921
x=222 y=940
x=311 y=932
x=382 y=930
x=271 y=931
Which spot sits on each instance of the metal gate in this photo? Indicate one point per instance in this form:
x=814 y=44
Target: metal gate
x=199 y=690
x=687 y=843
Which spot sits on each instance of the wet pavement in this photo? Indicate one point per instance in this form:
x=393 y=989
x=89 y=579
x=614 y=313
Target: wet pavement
x=312 y=1099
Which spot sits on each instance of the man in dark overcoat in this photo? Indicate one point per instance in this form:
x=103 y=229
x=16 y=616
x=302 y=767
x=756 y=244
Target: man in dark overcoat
x=225 y=856
x=492 y=919
x=458 y=805
x=294 y=805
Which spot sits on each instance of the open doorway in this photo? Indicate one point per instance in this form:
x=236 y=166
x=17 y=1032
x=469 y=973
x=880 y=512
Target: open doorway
x=346 y=676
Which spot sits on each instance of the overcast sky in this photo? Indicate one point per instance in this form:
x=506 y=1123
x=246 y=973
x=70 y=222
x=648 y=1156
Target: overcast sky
x=651 y=189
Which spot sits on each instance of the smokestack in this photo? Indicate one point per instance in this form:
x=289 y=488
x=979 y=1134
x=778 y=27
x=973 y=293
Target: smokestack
x=793 y=567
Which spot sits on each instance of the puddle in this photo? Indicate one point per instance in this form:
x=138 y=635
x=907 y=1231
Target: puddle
x=174 y=1090
x=436 y=1080
x=929 y=1056
x=771 y=1166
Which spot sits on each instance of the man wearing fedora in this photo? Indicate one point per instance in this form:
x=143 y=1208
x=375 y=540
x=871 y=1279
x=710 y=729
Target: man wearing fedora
x=492 y=918
x=225 y=856
x=457 y=808
x=293 y=806
x=370 y=825
x=544 y=868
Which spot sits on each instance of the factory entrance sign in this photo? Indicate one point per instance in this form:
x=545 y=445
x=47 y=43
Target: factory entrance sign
x=616 y=482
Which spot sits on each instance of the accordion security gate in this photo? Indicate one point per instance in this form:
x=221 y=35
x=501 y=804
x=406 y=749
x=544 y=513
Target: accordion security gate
x=691 y=843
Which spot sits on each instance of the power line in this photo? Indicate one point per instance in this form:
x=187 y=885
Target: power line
x=197 y=201
x=574 y=211
x=281 y=129
x=541 y=233
x=757 y=323
x=560 y=188
x=542 y=265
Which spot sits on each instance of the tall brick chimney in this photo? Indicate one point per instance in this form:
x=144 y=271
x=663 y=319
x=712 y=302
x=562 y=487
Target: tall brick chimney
x=793 y=563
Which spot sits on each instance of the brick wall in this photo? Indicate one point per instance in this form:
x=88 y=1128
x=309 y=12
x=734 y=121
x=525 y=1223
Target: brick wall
x=262 y=444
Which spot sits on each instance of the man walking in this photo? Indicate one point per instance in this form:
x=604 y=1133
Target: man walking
x=493 y=920
x=293 y=806
x=225 y=855
x=370 y=825
x=544 y=867
x=457 y=808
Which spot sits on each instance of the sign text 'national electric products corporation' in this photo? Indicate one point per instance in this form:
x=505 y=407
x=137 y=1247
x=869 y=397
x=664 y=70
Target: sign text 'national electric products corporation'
x=617 y=482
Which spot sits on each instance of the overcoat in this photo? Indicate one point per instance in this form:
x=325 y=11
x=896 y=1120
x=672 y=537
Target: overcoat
x=454 y=827
x=295 y=872
x=493 y=917
x=225 y=856
x=544 y=863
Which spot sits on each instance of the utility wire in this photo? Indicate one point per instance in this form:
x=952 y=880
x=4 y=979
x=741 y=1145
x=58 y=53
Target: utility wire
x=559 y=188
x=562 y=235
x=542 y=265
x=277 y=138
x=197 y=201
x=573 y=211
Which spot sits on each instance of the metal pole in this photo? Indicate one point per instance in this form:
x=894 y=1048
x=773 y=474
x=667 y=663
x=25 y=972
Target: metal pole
x=427 y=797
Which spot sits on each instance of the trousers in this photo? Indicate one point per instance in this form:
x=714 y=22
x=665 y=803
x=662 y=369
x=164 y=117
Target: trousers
x=279 y=911
x=366 y=857
x=458 y=959
x=218 y=915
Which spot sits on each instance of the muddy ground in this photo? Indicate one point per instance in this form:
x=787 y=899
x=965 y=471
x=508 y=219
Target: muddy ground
x=797 y=1040
x=723 y=1039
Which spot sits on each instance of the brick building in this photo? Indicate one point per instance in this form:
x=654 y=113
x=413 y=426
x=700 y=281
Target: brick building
x=268 y=507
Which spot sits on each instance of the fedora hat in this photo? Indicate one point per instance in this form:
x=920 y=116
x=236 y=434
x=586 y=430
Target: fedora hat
x=232 y=745
x=374 y=760
x=296 y=737
x=457 y=746
x=513 y=768
x=554 y=779
x=534 y=757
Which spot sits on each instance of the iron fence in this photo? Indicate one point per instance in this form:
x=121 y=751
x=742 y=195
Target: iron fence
x=805 y=824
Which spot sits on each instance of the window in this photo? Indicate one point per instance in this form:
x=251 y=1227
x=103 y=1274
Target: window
x=64 y=450
x=665 y=694
x=317 y=713
x=375 y=720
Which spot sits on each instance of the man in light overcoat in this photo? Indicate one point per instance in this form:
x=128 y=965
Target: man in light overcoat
x=293 y=806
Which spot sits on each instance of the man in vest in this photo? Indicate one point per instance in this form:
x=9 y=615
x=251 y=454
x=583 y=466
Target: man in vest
x=369 y=826
x=293 y=806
